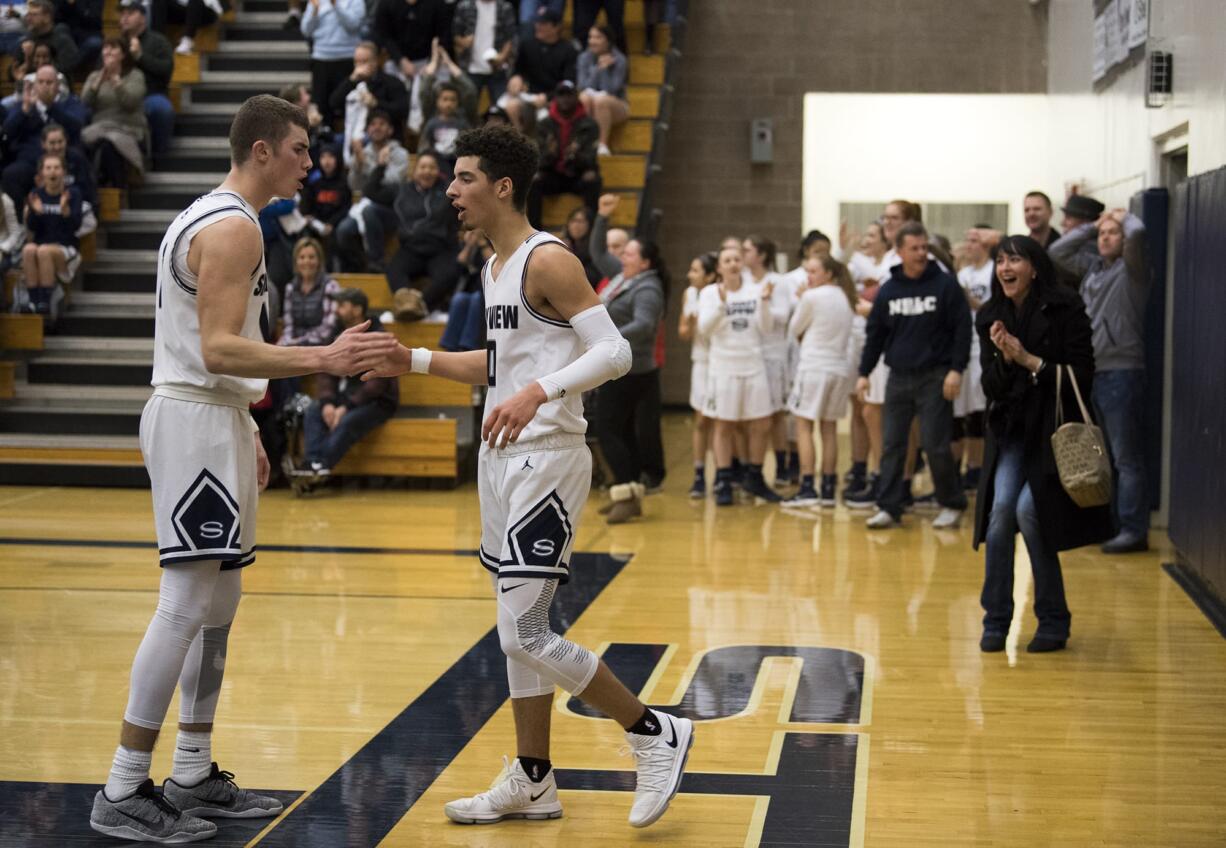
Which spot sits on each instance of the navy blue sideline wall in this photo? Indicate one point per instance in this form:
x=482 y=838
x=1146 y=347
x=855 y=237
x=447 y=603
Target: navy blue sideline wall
x=1198 y=379
x=745 y=60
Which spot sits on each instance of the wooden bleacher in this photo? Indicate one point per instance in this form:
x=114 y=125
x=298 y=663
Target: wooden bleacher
x=21 y=332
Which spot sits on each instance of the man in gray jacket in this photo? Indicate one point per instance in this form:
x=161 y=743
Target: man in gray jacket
x=1115 y=288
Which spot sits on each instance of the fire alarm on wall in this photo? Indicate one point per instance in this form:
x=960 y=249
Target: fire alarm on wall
x=762 y=141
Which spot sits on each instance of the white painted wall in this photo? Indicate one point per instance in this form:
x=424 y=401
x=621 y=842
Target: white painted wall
x=930 y=148
x=1108 y=140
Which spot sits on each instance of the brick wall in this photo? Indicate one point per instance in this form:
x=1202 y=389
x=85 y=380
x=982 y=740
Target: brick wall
x=757 y=58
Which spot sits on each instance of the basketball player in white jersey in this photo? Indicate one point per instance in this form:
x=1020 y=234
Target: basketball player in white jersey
x=549 y=340
x=976 y=280
x=206 y=464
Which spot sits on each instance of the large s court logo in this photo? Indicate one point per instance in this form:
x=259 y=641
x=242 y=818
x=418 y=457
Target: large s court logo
x=813 y=772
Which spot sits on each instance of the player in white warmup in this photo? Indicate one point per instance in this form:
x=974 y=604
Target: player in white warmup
x=549 y=340
x=206 y=464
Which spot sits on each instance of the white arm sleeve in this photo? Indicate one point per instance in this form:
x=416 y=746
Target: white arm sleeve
x=710 y=310
x=801 y=318
x=766 y=318
x=607 y=356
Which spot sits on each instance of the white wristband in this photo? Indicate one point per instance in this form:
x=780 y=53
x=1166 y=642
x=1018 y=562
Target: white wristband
x=419 y=360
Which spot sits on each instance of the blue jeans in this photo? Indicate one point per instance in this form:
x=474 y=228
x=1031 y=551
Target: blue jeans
x=329 y=447
x=1013 y=509
x=1119 y=403
x=465 y=320
x=496 y=83
x=161 y=116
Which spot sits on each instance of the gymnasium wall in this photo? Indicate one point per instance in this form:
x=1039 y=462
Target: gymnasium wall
x=745 y=60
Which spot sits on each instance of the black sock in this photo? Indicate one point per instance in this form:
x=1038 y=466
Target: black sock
x=806 y=481
x=794 y=461
x=753 y=472
x=700 y=470
x=859 y=469
x=829 y=479
x=537 y=770
x=781 y=463
x=723 y=476
x=647 y=725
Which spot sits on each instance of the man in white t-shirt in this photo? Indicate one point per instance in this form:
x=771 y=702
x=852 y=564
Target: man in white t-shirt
x=485 y=43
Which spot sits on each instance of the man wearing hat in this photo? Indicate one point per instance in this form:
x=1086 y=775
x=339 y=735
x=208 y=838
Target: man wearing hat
x=346 y=409
x=543 y=61
x=153 y=55
x=568 y=139
x=1108 y=254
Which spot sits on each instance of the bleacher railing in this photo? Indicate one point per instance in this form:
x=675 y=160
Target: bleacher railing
x=649 y=214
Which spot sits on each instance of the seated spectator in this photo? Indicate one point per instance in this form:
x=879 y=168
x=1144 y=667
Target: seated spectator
x=50 y=255
x=544 y=61
x=77 y=170
x=585 y=19
x=84 y=21
x=326 y=200
x=116 y=94
x=495 y=116
x=378 y=169
x=22 y=71
x=428 y=229
x=432 y=84
x=368 y=88
x=333 y=28
x=577 y=235
x=407 y=32
x=318 y=134
x=602 y=72
x=347 y=409
x=308 y=313
x=192 y=14
x=41 y=104
x=41 y=28
x=485 y=37
x=151 y=53
x=441 y=131
x=530 y=9
x=12 y=234
x=1115 y=288
x=567 y=138
x=12 y=25
x=465 y=328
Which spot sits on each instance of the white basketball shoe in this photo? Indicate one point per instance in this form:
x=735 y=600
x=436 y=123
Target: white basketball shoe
x=512 y=796
x=660 y=761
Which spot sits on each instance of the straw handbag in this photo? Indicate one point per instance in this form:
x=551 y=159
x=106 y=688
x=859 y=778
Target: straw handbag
x=1081 y=453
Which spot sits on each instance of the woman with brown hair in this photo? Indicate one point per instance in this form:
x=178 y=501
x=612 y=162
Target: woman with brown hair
x=116 y=94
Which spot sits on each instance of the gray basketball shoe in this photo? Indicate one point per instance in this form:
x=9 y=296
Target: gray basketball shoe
x=218 y=796
x=147 y=817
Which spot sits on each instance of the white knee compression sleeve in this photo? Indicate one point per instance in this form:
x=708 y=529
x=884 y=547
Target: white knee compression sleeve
x=607 y=356
x=200 y=681
x=537 y=658
x=184 y=600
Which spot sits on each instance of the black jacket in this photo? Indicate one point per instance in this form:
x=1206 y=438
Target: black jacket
x=918 y=324
x=388 y=91
x=543 y=65
x=428 y=223
x=407 y=30
x=1056 y=330
x=157 y=61
x=327 y=199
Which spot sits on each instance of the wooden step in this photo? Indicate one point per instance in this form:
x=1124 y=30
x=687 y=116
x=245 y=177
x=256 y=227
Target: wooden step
x=21 y=332
x=428 y=390
x=647 y=70
x=39 y=455
x=557 y=208
x=110 y=204
x=644 y=101
x=375 y=287
x=416 y=333
x=405 y=447
x=187 y=68
x=624 y=170
x=631 y=137
x=636 y=40
x=8 y=371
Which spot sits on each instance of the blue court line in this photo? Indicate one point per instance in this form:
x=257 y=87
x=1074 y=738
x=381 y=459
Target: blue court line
x=301 y=549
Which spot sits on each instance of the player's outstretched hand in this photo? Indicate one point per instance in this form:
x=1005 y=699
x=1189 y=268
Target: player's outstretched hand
x=397 y=361
x=356 y=350
x=507 y=420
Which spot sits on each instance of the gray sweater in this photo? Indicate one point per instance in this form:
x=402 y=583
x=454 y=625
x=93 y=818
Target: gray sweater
x=1115 y=295
x=637 y=307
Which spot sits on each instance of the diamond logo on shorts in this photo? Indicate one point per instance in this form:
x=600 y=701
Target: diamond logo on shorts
x=541 y=536
x=207 y=516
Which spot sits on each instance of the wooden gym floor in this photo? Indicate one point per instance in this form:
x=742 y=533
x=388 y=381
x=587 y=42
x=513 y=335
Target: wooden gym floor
x=842 y=696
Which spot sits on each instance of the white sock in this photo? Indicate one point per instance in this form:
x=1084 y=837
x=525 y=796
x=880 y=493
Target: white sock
x=193 y=757
x=129 y=770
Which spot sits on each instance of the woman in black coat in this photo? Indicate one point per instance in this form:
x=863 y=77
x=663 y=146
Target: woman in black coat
x=1028 y=327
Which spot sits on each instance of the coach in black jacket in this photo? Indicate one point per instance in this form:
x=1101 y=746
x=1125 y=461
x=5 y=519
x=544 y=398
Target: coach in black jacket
x=922 y=323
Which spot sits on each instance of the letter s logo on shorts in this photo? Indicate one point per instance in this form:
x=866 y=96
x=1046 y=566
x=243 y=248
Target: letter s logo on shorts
x=212 y=530
x=543 y=548
x=541 y=534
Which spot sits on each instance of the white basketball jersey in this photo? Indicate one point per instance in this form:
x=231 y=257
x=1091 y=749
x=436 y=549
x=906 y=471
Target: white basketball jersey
x=522 y=345
x=178 y=361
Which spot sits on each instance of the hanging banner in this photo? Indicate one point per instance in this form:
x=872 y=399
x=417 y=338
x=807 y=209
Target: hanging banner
x=1123 y=11
x=1100 y=48
x=1138 y=23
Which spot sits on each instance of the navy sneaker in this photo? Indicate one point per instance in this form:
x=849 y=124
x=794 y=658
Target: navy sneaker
x=698 y=489
x=723 y=493
x=827 y=497
x=753 y=484
x=807 y=496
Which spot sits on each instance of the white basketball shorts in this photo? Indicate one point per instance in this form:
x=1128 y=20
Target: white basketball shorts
x=201 y=463
x=820 y=396
x=778 y=381
x=971 y=398
x=738 y=398
x=531 y=495
x=698 y=386
x=877 y=382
